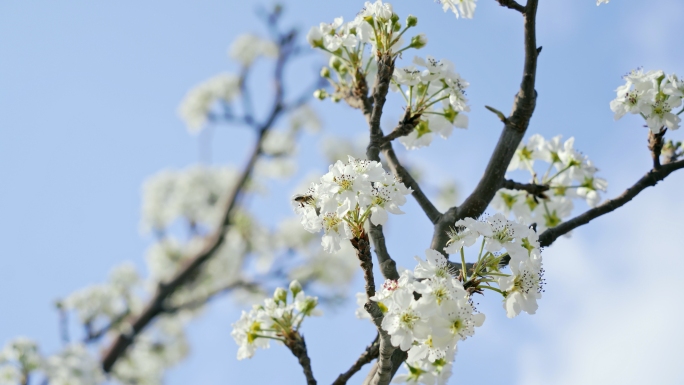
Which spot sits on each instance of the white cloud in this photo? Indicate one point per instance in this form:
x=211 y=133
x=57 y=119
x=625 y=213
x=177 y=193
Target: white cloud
x=614 y=325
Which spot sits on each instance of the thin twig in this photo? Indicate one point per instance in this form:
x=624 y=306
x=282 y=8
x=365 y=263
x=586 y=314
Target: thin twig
x=404 y=176
x=367 y=356
x=650 y=179
x=537 y=190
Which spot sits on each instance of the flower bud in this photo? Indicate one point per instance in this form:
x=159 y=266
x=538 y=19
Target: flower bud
x=320 y=94
x=325 y=72
x=280 y=295
x=419 y=41
x=411 y=21
x=335 y=63
x=295 y=287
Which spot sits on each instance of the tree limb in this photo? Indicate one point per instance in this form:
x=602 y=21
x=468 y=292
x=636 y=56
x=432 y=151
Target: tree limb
x=430 y=210
x=650 y=179
x=164 y=290
x=537 y=190
x=367 y=356
x=514 y=130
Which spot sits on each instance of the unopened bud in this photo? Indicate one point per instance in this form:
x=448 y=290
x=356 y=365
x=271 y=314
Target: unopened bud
x=320 y=94
x=419 y=41
x=411 y=21
x=325 y=72
x=280 y=295
x=295 y=287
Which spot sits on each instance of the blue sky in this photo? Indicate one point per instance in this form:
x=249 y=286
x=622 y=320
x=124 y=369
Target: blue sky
x=88 y=98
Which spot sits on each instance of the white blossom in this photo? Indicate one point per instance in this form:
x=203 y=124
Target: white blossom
x=247 y=47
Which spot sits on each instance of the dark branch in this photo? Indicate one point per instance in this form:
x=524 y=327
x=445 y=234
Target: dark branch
x=650 y=179
x=512 y=4
x=430 y=210
x=298 y=348
x=537 y=190
x=405 y=126
x=514 y=129
x=367 y=356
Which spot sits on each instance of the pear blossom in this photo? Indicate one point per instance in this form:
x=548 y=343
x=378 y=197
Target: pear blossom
x=277 y=319
x=654 y=95
x=523 y=288
x=346 y=196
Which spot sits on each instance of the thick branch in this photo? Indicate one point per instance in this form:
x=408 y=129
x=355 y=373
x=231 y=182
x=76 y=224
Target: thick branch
x=298 y=347
x=430 y=210
x=537 y=190
x=514 y=130
x=384 y=373
x=380 y=88
x=650 y=179
x=367 y=356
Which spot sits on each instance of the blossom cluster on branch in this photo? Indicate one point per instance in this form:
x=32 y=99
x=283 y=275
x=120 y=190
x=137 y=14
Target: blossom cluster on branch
x=653 y=95
x=348 y=195
x=561 y=174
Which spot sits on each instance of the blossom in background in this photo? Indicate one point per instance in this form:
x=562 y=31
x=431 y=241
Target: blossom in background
x=74 y=366
x=198 y=102
x=246 y=48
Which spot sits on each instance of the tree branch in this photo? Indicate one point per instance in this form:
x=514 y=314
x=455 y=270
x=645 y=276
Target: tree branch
x=650 y=179
x=514 y=130
x=156 y=304
x=512 y=4
x=430 y=210
x=298 y=348
x=367 y=356
x=537 y=190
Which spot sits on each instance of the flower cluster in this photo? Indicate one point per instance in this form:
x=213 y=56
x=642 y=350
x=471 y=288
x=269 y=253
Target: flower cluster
x=377 y=27
x=348 y=195
x=277 y=319
x=569 y=175
x=523 y=287
x=653 y=95
x=425 y=84
x=427 y=328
